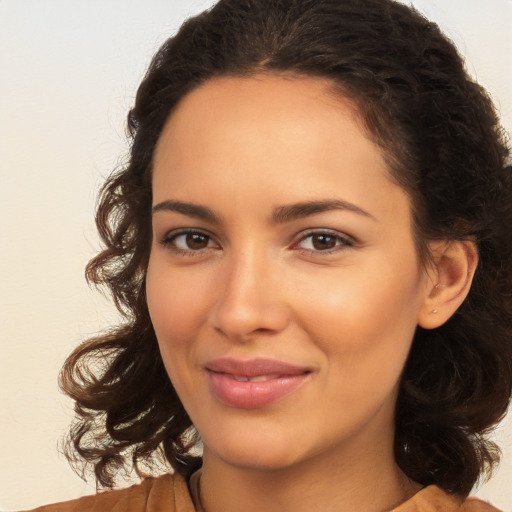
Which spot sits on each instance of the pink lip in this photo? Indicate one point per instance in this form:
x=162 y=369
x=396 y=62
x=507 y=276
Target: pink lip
x=230 y=382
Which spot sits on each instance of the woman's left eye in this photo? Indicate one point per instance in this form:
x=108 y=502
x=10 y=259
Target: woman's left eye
x=324 y=241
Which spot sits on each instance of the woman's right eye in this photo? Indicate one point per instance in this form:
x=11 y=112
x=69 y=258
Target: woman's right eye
x=187 y=242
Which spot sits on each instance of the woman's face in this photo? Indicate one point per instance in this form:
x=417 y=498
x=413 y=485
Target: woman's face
x=283 y=283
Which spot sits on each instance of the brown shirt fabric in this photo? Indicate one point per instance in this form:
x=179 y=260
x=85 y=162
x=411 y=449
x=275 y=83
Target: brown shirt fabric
x=434 y=499
x=170 y=493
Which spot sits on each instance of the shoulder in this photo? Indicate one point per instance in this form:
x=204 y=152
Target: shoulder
x=476 y=505
x=434 y=499
x=167 y=493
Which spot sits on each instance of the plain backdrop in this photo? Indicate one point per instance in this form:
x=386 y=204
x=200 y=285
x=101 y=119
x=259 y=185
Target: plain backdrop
x=69 y=75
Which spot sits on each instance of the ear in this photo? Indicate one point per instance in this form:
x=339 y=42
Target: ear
x=449 y=281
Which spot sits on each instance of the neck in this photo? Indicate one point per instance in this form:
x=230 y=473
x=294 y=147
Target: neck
x=366 y=480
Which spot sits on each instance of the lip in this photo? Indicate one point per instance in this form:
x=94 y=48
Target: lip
x=255 y=383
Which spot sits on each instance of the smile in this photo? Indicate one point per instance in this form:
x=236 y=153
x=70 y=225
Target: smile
x=253 y=384
x=261 y=378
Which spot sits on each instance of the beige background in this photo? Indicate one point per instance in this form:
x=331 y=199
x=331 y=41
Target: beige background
x=69 y=73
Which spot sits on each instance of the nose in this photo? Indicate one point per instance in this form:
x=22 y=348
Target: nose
x=250 y=301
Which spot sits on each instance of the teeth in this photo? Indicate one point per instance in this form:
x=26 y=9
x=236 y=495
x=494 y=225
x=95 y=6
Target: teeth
x=259 y=378
x=263 y=378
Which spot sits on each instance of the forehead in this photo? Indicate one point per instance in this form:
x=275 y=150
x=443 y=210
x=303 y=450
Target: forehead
x=285 y=106
x=292 y=138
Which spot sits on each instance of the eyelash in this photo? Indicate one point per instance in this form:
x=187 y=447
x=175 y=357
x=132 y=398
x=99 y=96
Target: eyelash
x=342 y=242
x=169 y=240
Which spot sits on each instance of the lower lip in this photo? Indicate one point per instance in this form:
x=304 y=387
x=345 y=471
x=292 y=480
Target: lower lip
x=251 y=394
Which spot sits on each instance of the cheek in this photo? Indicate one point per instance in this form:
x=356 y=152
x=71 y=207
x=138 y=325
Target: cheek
x=175 y=306
x=365 y=336
x=177 y=312
x=366 y=317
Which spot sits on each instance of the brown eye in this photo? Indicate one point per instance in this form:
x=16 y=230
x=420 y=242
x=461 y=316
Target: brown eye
x=189 y=241
x=196 y=241
x=323 y=242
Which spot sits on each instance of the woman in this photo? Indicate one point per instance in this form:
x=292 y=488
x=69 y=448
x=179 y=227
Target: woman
x=310 y=244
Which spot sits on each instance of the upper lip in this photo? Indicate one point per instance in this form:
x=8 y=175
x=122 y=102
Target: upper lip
x=257 y=367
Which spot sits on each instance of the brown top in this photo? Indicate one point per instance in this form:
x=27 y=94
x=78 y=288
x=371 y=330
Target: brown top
x=169 y=493
x=434 y=499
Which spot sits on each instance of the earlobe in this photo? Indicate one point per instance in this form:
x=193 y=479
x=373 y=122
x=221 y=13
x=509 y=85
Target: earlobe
x=453 y=270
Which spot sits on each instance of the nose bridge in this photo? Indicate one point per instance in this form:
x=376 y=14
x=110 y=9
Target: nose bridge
x=249 y=300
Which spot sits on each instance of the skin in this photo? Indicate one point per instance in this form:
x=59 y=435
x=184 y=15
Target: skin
x=253 y=287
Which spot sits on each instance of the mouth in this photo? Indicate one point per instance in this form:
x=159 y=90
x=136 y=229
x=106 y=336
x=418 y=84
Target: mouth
x=255 y=383
x=245 y=378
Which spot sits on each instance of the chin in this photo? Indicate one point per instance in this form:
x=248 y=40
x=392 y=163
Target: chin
x=257 y=452
x=261 y=459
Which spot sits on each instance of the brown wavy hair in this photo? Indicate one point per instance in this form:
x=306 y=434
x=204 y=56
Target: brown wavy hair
x=439 y=132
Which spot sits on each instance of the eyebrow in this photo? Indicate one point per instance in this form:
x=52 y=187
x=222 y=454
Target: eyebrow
x=190 y=209
x=280 y=215
x=299 y=210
